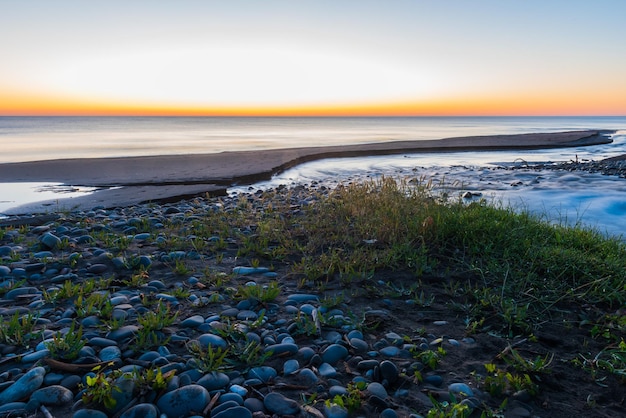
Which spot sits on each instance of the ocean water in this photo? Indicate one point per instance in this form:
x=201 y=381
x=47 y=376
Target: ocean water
x=589 y=199
x=44 y=138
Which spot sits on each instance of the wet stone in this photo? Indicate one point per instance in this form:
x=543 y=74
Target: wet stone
x=212 y=340
x=264 y=373
x=214 y=380
x=183 y=401
x=278 y=404
x=376 y=389
x=333 y=353
x=53 y=395
x=142 y=410
x=24 y=386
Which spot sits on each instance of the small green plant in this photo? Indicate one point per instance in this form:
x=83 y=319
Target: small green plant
x=447 y=409
x=537 y=366
x=499 y=382
x=611 y=360
x=351 y=401
x=66 y=346
x=243 y=356
x=95 y=304
x=99 y=389
x=429 y=358
x=180 y=268
x=151 y=325
x=263 y=294
x=137 y=279
x=209 y=359
x=19 y=330
x=150 y=380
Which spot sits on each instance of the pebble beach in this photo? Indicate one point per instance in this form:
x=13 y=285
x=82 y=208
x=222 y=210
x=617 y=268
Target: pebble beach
x=129 y=297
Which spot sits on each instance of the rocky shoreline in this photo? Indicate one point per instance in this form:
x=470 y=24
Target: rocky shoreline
x=110 y=274
x=128 y=298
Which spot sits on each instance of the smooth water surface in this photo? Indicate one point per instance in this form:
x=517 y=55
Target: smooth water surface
x=46 y=138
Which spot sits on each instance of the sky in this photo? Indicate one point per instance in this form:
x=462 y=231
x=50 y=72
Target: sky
x=313 y=57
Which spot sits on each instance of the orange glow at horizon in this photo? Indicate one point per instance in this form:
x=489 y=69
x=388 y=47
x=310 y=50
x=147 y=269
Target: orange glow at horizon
x=498 y=106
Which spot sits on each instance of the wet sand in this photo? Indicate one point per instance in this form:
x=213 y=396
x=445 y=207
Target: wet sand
x=132 y=180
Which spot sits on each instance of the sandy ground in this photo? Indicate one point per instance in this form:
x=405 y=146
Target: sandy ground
x=133 y=180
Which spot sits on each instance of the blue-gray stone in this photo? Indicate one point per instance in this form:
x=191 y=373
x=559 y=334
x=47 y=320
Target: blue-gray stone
x=389 y=371
x=110 y=353
x=4 y=271
x=212 y=340
x=249 y=270
x=52 y=379
x=337 y=390
x=359 y=345
x=264 y=373
x=122 y=333
x=50 y=240
x=434 y=380
x=37 y=355
x=142 y=237
x=213 y=380
x=142 y=410
x=276 y=403
x=307 y=308
x=377 y=389
x=42 y=254
x=24 y=386
x=89 y=413
x=183 y=401
x=192 y=322
x=333 y=353
x=254 y=404
x=390 y=351
x=53 y=395
x=27 y=290
x=279 y=349
x=335 y=411
x=302 y=297
x=308 y=376
x=460 y=388
x=454 y=342
x=247 y=316
x=326 y=370
x=388 y=413
x=166 y=297
x=118 y=300
x=101 y=342
x=15 y=407
x=233 y=412
x=231 y=396
x=150 y=356
x=125 y=395
x=97 y=268
x=236 y=390
x=290 y=366
x=222 y=406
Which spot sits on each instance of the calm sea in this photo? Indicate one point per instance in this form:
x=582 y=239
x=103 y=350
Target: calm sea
x=43 y=138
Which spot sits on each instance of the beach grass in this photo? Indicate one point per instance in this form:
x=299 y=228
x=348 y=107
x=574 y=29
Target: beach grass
x=508 y=274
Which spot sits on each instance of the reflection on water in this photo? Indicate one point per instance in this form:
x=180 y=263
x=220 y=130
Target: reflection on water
x=17 y=194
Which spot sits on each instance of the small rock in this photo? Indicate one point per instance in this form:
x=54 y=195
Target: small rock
x=276 y=403
x=53 y=395
x=184 y=401
x=24 y=386
x=142 y=410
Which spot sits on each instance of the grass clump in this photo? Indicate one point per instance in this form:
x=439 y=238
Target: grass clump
x=518 y=267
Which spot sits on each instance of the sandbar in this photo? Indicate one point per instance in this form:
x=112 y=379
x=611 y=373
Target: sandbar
x=125 y=181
